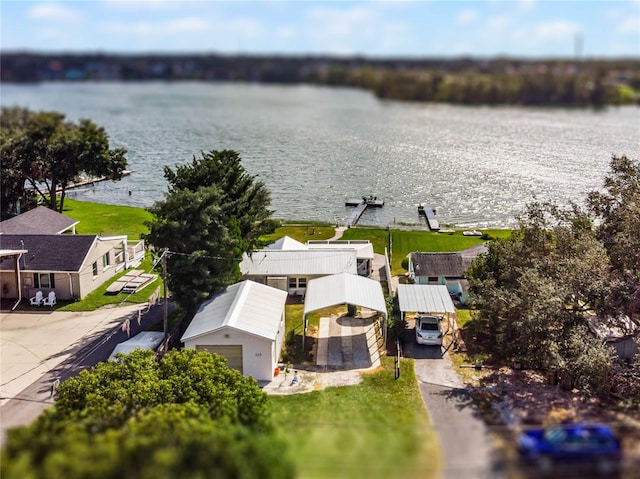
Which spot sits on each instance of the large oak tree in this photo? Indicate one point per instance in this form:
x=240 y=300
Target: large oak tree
x=42 y=153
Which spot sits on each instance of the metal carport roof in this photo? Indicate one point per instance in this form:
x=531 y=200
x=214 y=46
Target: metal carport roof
x=344 y=288
x=425 y=298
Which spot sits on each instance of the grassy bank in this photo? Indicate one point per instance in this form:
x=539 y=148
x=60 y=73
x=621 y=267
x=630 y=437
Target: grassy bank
x=376 y=429
x=402 y=242
x=98 y=218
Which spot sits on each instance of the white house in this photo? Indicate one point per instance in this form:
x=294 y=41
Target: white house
x=291 y=270
x=363 y=248
x=245 y=324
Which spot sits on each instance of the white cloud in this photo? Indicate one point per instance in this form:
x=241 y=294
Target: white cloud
x=178 y=25
x=286 y=33
x=556 y=30
x=54 y=12
x=243 y=27
x=342 y=23
x=499 y=21
x=466 y=16
x=629 y=25
x=526 y=5
x=143 y=5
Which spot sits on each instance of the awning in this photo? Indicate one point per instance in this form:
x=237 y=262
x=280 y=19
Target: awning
x=425 y=298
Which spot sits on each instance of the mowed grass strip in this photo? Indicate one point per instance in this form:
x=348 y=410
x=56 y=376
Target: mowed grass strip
x=301 y=232
x=376 y=429
x=107 y=220
x=404 y=242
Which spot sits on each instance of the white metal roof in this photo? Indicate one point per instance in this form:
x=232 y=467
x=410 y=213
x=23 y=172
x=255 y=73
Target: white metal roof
x=143 y=340
x=306 y=263
x=344 y=288
x=425 y=298
x=286 y=243
x=247 y=306
x=363 y=249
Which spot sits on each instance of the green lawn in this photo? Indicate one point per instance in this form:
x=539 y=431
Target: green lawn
x=99 y=298
x=377 y=429
x=98 y=218
x=301 y=232
x=407 y=241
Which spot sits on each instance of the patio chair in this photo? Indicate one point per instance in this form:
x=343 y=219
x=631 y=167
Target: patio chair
x=50 y=300
x=37 y=299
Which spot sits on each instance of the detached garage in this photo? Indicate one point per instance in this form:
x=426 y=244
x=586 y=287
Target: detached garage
x=245 y=324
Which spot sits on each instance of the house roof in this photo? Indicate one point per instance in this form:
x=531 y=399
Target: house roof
x=344 y=288
x=425 y=298
x=437 y=264
x=305 y=263
x=286 y=243
x=48 y=252
x=39 y=220
x=363 y=248
x=247 y=306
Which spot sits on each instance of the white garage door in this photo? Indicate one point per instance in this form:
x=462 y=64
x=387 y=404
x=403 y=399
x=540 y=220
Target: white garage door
x=232 y=353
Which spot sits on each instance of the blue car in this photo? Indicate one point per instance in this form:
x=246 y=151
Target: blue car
x=592 y=446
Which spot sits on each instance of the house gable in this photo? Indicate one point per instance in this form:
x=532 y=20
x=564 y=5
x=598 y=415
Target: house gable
x=39 y=220
x=62 y=253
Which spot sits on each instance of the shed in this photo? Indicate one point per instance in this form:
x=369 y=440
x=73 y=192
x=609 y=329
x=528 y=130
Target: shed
x=245 y=324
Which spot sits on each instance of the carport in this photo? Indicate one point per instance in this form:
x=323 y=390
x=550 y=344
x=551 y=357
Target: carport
x=426 y=298
x=344 y=288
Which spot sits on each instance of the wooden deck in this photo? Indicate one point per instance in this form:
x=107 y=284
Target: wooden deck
x=429 y=213
x=93 y=180
x=131 y=282
x=360 y=207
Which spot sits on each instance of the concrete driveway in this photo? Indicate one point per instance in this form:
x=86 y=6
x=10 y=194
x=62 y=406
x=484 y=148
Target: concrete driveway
x=464 y=438
x=40 y=348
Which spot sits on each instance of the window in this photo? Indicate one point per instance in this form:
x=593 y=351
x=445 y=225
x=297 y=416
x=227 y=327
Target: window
x=105 y=260
x=95 y=268
x=43 y=280
x=296 y=283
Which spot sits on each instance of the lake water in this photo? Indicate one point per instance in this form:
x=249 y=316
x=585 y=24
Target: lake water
x=314 y=147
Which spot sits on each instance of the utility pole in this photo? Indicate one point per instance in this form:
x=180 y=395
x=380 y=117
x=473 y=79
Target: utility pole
x=164 y=295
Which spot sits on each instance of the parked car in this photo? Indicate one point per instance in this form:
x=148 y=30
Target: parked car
x=428 y=330
x=593 y=448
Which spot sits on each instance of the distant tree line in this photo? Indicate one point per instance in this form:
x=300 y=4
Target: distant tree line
x=452 y=80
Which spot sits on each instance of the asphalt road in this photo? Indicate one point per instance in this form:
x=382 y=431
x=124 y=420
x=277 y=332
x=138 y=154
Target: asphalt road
x=465 y=441
x=35 y=398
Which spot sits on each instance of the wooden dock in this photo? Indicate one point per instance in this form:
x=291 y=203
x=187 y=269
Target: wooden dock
x=92 y=180
x=360 y=207
x=429 y=213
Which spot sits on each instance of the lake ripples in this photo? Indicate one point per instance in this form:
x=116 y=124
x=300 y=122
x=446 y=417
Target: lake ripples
x=314 y=147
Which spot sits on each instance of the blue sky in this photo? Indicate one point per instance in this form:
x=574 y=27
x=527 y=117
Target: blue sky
x=529 y=28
